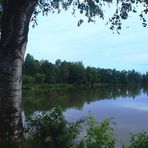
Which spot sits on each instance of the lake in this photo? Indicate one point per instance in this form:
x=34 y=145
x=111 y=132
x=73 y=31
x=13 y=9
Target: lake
x=128 y=105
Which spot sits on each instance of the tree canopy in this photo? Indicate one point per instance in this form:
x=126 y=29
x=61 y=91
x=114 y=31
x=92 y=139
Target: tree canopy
x=75 y=73
x=91 y=9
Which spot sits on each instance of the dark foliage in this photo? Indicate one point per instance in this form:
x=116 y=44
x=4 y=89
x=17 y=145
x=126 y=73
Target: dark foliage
x=75 y=73
x=51 y=129
x=92 y=9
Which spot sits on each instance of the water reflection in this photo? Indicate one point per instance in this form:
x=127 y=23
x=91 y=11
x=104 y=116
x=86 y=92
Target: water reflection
x=127 y=104
x=76 y=98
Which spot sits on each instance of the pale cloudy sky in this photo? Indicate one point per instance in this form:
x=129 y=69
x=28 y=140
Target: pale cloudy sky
x=58 y=37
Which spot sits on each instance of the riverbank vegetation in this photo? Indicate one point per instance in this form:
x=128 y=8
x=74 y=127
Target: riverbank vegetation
x=74 y=73
x=51 y=129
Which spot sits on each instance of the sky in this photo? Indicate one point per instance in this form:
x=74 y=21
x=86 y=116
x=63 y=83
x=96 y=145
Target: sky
x=58 y=37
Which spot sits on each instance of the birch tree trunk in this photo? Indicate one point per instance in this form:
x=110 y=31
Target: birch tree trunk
x=14 y=33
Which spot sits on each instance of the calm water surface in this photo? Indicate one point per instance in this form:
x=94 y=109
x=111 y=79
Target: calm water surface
x=127 y=105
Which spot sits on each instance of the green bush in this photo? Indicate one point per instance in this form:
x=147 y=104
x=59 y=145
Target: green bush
x=139 y=140
x=99 y=134
x=28 y=79
x=51 y=129
x=39 y=78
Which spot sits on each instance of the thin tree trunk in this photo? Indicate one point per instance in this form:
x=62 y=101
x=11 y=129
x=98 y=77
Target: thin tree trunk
x=14 y=33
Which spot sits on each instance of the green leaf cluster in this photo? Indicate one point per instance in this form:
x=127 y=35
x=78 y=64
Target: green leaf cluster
x=139 y=140
x=99 y=134
x=51 y=129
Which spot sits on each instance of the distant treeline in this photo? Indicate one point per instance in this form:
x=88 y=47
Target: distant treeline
x=43 y=71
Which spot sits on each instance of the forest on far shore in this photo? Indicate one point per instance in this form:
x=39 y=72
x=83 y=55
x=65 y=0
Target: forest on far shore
x=63 y=72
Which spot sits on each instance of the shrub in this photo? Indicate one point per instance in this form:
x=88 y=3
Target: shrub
x=51 y=129
x=139 y=140
x=99 y=134
x=39 y=78
x=28 y=79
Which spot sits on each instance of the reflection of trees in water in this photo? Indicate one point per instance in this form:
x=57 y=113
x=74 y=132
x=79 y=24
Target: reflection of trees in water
x=145 y=90
x=76 y=98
